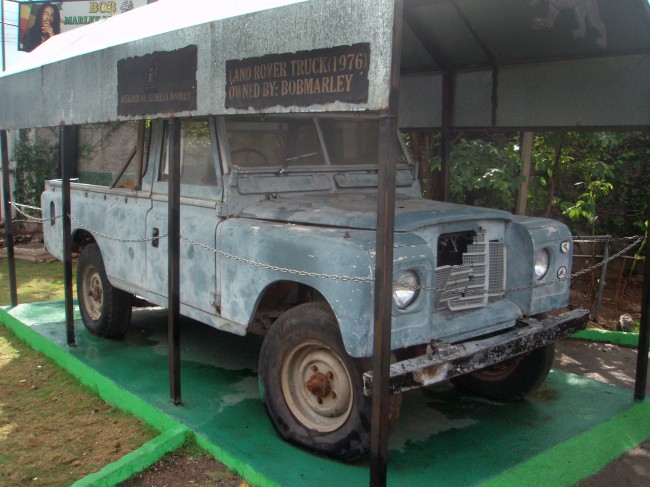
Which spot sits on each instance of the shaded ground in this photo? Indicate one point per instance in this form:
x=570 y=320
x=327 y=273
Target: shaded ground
x=606 y=363
x=188 y=466
x=621 y=293
x=617 y=366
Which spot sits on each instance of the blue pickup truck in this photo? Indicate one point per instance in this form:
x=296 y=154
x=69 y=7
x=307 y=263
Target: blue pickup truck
x=278 y=222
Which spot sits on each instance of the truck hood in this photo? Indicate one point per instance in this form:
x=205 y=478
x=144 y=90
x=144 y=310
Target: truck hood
x=359 y=211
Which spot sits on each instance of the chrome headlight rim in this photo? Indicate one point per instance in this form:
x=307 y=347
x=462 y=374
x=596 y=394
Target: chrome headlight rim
x=542 y=263
x=406 y=289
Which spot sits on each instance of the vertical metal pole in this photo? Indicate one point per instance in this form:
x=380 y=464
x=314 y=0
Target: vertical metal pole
x=139 y=154
x=526 y=159
x=384 y=265
x=4 y=26
x=66 y=153
x=601 y=280
x=644 y=331
x=9 y=230
x=445 y=136
x=173 y=225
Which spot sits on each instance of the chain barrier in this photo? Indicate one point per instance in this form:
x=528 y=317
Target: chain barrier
x=637 y=240
x=18 y=206
x=421 y=288
x=117 y=239
x=273 y=267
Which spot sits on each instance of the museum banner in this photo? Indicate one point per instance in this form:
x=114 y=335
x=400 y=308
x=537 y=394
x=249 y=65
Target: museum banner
x=38 y=21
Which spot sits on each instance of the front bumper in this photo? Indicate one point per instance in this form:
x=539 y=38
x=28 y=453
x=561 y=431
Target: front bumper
x=446 y=361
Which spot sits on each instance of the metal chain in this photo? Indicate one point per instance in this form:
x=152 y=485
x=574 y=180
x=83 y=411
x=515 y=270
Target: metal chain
x=276 y=268
x=30 y=217
x=550 y=282
x=615 y=256
x=423 y=288
x=117 y=239
x=319 y=275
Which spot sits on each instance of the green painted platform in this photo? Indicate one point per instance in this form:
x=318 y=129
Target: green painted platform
x=564 y=432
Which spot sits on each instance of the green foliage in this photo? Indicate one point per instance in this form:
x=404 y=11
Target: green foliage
x=35 y=163
x=600 y=180
x=485 y=172
x=597 y=182
x=585 y=206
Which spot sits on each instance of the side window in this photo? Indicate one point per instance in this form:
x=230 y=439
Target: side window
x=197 y=161
x=108 y=153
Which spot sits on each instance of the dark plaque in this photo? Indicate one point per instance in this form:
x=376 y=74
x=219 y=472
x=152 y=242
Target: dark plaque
x=162 y=82
x=302 y=78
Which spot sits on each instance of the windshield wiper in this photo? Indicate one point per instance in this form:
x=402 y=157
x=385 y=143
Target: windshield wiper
x=291 y=160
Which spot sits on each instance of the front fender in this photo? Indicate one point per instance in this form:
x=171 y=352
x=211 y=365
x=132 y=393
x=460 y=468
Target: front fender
x=338 y=263
x=525 y=237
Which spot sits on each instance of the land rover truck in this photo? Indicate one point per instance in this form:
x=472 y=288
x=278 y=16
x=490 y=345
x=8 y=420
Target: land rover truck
x=278 y=237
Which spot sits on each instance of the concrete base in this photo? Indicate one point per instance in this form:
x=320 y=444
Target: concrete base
x=566 y=431
x=30 y=253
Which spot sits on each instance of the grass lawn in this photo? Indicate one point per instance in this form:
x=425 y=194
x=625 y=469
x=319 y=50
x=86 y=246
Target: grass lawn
x=36 y=281
x=53 y=431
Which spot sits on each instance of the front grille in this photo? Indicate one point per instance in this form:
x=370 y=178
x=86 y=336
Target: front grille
x=469 y=284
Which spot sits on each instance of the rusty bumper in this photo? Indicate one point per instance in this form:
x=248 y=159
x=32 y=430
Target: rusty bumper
x=447 y=361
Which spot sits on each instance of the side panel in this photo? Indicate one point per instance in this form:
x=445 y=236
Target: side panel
x=526 y=237
x=110 y=216
x=200 y=191
x=274 y=250
x=198 y=278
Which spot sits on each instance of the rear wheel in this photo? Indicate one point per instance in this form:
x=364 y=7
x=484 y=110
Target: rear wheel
x=512 y=379
x=105 y=310
x=312 y=389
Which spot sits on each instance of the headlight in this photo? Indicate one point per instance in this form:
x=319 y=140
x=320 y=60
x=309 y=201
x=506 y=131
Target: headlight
x=405 y=289
x=541 y=263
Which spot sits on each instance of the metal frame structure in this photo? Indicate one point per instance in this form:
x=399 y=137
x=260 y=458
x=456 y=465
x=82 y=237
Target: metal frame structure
x=441 y=64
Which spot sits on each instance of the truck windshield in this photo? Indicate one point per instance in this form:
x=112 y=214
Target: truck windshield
x=283 y=142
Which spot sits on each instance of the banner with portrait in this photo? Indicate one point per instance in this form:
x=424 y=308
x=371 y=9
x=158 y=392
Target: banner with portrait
x=40 y=20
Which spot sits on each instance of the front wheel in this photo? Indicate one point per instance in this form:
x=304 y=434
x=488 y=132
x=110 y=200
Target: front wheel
x=512 y=379
x=312 y=389
x=105 y=310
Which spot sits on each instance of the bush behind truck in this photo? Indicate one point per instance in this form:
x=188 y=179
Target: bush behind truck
x=278 y=222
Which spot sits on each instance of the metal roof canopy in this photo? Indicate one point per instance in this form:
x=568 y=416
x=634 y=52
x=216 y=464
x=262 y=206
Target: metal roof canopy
x=512 y=63
x=517 y=64
x=73 y=77
x=461 y=64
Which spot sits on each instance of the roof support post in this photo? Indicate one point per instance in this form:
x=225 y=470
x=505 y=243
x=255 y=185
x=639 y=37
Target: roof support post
x=641 y=379
x=384 y=265
x=526 y=157
x=4 y=26
x=9 y=230
x=68 y=153
x=173 y=256
x=445 y=136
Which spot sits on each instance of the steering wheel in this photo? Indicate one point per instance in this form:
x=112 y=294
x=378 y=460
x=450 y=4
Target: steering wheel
x=247 y=160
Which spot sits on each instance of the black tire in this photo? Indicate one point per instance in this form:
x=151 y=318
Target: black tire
x=512 y=379
x=312 y=389
x=105 y=310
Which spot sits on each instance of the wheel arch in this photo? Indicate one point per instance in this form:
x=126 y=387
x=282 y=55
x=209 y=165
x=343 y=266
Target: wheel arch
x=81 y=238
x=280 y=296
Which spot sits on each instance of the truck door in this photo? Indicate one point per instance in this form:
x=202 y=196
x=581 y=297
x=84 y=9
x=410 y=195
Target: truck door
x=201 y=191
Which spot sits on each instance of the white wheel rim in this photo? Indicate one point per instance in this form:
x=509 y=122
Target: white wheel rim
x=316 y=386
x=93 y=293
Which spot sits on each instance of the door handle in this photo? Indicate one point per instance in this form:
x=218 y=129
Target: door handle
x=155 y=240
